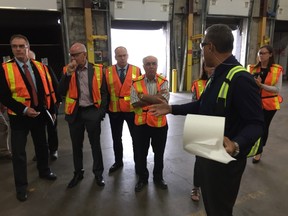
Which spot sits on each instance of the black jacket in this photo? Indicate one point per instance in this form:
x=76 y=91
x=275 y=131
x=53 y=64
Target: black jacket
x=244 y=117
x=18 y=107
x=64 y=86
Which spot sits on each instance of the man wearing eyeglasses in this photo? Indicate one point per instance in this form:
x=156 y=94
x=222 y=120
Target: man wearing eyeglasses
x=146 y=90
x=84 y=88
x=119 y=80
x=26 y=90
x=244 y=121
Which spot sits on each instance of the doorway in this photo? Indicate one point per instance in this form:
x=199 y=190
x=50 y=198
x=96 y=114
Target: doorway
x=141 y=43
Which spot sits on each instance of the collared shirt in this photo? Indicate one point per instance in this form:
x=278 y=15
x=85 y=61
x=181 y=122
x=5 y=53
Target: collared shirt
x=119 y=70
x=151 y=86
x=30 y=69
x=84 y=94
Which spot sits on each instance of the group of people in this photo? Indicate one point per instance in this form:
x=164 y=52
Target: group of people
x=30 y=94
x=142 y=100
x=125 y=94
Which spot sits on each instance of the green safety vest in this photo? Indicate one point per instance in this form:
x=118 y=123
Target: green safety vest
x=221 y=100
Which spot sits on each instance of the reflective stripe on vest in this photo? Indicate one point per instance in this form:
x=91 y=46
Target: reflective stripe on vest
x=270 y=100
x=72 y=93
x=18 y=87
x=142 y=116
x=120 y=93
x=199 y=86
x=223 y=94
x=49 y=90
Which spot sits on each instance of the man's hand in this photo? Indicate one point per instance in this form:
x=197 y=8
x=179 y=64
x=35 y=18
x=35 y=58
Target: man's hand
x=30 y=112
x=229 y=146
x=71 y=67
x=160 y=109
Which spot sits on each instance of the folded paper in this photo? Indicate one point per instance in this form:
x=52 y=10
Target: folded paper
x=203 y=136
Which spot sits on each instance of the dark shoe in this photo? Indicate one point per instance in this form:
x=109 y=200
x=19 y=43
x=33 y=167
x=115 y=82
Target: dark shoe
x=51 y=176
x=22 y=196
x=140 y=185
x=54 y=155
x=161 y=184
x=115 y=167
x=34 y=158
x=256 y=159
x=100 y=181
x=76 y=179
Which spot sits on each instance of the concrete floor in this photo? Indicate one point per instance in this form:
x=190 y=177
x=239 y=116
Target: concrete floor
x=263 y=191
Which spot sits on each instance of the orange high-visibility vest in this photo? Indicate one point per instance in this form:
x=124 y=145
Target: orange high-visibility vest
x=72 y=95
x=18 y=87
x=198 y=86
x=142 y=116
x=120 y=93
x=44 y=72
x=270 y=100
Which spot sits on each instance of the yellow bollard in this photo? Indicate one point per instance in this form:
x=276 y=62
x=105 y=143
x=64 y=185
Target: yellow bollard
x=174 y=80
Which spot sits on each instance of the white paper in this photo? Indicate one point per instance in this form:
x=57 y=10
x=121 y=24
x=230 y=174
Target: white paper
x=203 y=136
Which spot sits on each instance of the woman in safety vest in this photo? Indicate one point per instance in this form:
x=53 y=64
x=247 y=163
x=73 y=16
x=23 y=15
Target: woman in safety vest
x=197 y=89
x=268 y=77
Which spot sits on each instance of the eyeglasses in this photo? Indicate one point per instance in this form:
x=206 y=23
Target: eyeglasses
x=262 y=53
x=203 y=44
x=147 y=64
x=21 y=46
x=75 y=55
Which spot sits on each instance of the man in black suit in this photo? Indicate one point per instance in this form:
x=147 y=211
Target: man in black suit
x=26 y=90
x=52 y=132
x=85 y=91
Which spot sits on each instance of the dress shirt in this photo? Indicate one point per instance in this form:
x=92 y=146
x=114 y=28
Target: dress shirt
x=30 y=69
x=84 y=94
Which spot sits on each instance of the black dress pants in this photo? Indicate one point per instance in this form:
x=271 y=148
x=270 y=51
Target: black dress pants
x=18 y=144
x=116 y=123
x=52 y=135
x=220 y=185
x=268 y=116
x=157 y=136
x=87 y=119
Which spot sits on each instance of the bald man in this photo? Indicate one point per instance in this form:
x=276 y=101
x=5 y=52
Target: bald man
x=84 y=88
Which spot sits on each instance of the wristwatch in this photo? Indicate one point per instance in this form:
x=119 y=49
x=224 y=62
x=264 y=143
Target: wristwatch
x=237 y=149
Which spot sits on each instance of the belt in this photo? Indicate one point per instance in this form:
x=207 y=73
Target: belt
x=86 y=107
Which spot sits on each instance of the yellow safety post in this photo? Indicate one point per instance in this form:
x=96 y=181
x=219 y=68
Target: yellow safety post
x=189 y=47
x=174 y=80
x=263 y=22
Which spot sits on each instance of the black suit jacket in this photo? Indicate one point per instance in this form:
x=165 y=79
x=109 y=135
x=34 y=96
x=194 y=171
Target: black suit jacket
x=64 y=86
x=17 y=107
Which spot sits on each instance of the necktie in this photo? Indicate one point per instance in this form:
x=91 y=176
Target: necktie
x=29 y=78
x=122 y=75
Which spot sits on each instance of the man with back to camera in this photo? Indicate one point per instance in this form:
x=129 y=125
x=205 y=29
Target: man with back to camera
x=243 y=120
x=119 y=80
x=26 y=90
